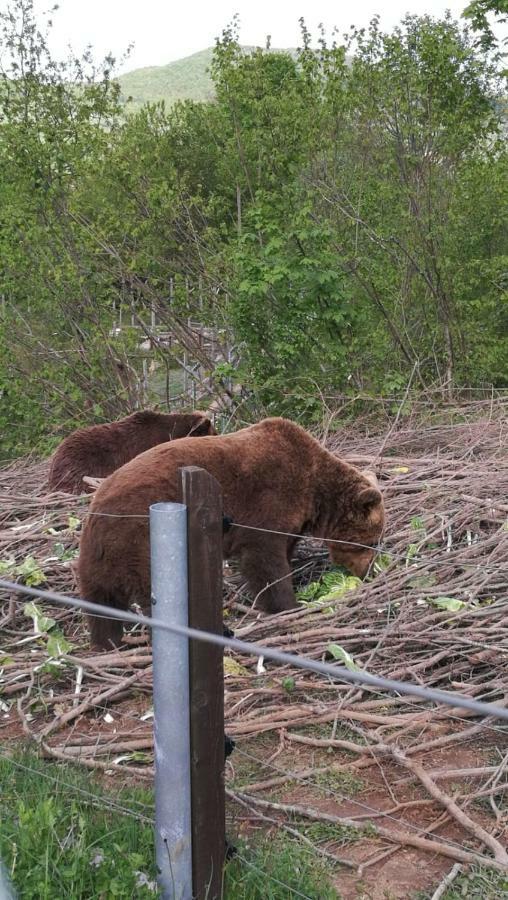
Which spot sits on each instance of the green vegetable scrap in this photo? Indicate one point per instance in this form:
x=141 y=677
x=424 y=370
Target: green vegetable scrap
x=331 y=587
x=343 y=656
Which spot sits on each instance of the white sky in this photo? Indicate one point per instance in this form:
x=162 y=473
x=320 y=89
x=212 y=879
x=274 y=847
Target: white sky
x=163 y=31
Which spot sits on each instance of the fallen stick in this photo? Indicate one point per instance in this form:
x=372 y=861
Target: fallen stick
x=302 y=837
x=500 y=854
x=82 y=751
x=395 y=836
x=326 y=744
x=446 y=882
x=61 y=720
x=55 y=753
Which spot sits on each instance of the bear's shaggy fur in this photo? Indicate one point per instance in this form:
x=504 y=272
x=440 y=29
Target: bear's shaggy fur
x=273 y=475
x=101 y=449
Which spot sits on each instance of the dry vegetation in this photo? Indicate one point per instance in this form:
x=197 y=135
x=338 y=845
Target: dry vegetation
x=393 y=787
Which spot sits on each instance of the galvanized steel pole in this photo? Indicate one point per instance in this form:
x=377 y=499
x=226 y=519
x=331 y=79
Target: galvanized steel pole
x=6 y=889
x=168 y=550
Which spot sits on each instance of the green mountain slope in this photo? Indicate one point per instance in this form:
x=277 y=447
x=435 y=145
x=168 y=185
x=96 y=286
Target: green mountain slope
x=184 y=79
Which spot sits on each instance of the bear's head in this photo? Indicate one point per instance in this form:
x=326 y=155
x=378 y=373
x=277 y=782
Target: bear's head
x=200 y=425
x=362 y=524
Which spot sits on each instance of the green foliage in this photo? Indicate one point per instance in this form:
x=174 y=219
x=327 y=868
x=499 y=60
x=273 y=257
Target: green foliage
x=332 y=587
x=342 y=656
x=339 y=213
x=29 y=571
x=71 y=840
x=478 y=12
x=451 y=604
x=278 y=870
x=42 y=623
x=477 y=884
x=57 y=843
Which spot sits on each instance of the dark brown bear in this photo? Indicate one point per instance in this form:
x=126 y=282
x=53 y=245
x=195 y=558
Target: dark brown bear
x=273 y=475
x=101 y=449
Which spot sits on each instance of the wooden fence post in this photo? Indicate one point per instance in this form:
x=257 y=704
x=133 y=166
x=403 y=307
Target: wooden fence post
x=202 y=495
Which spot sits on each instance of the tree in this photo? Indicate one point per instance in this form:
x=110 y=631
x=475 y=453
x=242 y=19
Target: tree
x=478 y=12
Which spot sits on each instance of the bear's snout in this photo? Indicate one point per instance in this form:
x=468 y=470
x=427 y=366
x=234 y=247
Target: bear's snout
x=357 y=561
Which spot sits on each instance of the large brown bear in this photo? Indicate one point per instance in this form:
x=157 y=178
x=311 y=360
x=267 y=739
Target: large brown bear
x=101 y=449
x=273 y=475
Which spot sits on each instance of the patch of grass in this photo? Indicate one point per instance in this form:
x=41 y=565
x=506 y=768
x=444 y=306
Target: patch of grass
x=277 y=870
x=324 y=732
x=327 y=834
x=63 y=835
x=57 y=842
x=344 y=783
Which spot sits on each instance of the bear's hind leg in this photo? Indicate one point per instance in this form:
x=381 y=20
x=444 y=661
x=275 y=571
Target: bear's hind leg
x=105 y=633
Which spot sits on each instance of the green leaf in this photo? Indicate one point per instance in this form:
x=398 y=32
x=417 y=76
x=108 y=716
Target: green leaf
x=288 y=684
x=417 y=523
x=449 y=603
x=349 y=583
x=58 y=644
x=332 y=586
x=73 y=523
x=31 y=572
x=6 y=660
x=232 y=667
x=343 y=656
x=64 y=554
x=423 y=581
x=42 y=623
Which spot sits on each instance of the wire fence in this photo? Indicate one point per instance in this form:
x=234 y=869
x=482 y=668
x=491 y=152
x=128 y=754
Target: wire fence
x=331 y=671
x=474 y=682
x=282 y=775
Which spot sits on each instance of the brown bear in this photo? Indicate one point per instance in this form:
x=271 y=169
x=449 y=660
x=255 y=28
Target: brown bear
x=101 y=449
x=273 y=475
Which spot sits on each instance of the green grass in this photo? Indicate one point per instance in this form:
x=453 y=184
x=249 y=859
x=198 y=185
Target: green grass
x=57 y=841
x=278 y=870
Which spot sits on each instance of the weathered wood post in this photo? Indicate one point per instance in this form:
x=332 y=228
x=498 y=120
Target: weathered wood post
x=202 y=496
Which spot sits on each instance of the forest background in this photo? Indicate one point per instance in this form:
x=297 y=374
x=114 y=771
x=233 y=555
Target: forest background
x=340 y=213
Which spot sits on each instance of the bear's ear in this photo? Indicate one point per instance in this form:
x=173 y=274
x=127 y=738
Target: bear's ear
x=371 y=476
x=368 y=499
x=202 y=427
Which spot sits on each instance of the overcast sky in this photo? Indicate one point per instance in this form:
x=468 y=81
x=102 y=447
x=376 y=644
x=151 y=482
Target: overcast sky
x=163 y=31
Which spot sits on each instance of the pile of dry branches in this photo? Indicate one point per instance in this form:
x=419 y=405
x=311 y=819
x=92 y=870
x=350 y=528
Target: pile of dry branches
x=434 y=614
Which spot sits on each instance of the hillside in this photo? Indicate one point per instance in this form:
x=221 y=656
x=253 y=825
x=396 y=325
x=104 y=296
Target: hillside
x=183 y=79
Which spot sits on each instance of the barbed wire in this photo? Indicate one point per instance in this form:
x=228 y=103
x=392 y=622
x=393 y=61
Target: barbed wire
x=332 y=671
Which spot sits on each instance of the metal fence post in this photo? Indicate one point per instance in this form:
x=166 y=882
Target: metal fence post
x=168 y=549
x=6 y=888
x=202 y=495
